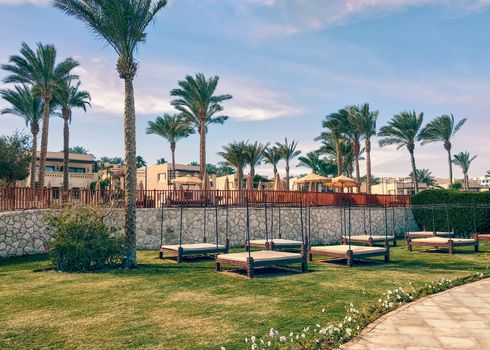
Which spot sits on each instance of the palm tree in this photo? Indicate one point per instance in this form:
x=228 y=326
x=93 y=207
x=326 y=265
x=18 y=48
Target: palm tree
x=464 y=160
x=351 y=115
x=365 y=124
x=254 y=154
x=311 y=160
x=442 y=129
x=234 y=155
x=173 y=128
x=78 y=150
x=198 y=103
x=288 y=152
x=424 y=176
x=334 y=122
x=403 y=130
x=122 y=25
x=272 y=157
x=68 y=96
x=140 y=162
x=29 y=107
x=40 y=70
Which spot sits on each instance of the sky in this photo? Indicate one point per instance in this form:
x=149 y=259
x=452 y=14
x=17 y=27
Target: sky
x=287 y=64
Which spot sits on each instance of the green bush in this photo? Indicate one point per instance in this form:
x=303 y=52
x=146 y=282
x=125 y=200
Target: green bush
x=462 y=220
x=82 y=241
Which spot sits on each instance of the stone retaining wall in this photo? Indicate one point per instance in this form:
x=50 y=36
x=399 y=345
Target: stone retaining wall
x=24 y=232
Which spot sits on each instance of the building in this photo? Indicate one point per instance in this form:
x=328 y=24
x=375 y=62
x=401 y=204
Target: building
x=81 y=170
x=484 y=182
x=159 y=177
x=395 y=186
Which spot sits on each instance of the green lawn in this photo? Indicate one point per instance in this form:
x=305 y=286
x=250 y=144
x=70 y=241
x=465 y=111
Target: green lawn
x=162 y=305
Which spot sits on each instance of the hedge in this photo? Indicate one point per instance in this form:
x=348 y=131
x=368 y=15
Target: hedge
x=462 y=220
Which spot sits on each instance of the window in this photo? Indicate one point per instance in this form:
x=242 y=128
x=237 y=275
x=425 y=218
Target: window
x=76 y=170
x=161 y=177
x=47 y=168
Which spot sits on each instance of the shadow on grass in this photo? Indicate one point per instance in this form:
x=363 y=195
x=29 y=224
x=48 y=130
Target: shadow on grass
x=263 y=272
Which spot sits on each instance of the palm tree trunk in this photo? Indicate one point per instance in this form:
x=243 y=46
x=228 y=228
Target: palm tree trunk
x=339 y=158
x=172 y=149
x=356 y=159
x=66 y=150
x=252 y=174
x=202 y=148
x=34 y=131
x=275 y=171
x=44 y=143
x=450 y=165
x=368 y=165
x=130 y=159
x=287 y=176
x=240 y=177
x=414 y=171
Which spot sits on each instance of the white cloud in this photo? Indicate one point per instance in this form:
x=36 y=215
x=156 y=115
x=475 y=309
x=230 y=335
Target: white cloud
x=251 y=100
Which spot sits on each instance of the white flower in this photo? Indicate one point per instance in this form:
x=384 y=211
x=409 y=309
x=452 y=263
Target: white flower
x=348 y=331
x=303 y=335
x=223 y=348
x=349 y=319
x=291 y=334
x=252 y=338
x=282 y=338
x=269 y=343
x=246 y=340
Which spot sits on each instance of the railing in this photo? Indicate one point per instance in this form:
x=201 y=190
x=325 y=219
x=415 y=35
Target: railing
x=27 y=198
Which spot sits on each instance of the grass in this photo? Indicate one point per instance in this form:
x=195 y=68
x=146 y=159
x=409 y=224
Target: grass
x=162 y=305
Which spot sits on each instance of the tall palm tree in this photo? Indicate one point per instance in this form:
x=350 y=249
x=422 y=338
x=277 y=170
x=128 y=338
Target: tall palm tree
x=198 y=103
x=334 y=123
x=424 y=176
x=122 y=25
x=68 y=96
x=288 y=152
x=254 y=154
x=40 y=70
x=272 y=157
x=464 y=160
x=234 y=155
x=403 y=130
x=351 y=115
x=365 y=124
x=311 y=160
x=29 y=107
x=173 y=128
x=442 y=129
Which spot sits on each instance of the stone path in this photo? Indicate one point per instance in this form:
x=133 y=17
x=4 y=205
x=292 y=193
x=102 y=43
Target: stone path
x=458 y=318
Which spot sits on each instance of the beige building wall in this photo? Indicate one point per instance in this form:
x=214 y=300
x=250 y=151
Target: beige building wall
x=80 y=170
x=158 y=177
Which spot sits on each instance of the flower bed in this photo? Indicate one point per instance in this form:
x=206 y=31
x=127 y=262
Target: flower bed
x=330 y=335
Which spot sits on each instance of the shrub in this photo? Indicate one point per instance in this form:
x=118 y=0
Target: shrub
x=82 y=241
x=462 y=219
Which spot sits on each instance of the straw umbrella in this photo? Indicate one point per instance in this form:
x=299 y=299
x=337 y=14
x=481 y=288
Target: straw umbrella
x=250 y=184
x=344 y=182
x=312 y=179
x=277 y=183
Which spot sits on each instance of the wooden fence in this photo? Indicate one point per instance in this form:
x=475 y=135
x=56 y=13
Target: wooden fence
x=27 y=198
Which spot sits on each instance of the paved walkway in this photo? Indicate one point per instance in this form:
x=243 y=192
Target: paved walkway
x=458 y=318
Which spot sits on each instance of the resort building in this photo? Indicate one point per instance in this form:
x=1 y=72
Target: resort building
x=81 y=170
x=159 y=177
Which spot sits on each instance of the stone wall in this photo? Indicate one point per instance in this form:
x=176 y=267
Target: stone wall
x=24 y=232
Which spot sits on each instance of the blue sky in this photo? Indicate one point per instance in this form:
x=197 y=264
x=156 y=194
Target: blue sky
x=287 y=63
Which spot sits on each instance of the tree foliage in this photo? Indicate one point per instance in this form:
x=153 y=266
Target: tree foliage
x=15 y=158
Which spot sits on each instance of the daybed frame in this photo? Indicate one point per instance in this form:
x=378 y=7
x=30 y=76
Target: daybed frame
x=248 y=262
x=354 y=253
x=437 y=242
x=370 y=240
x=195 y=249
